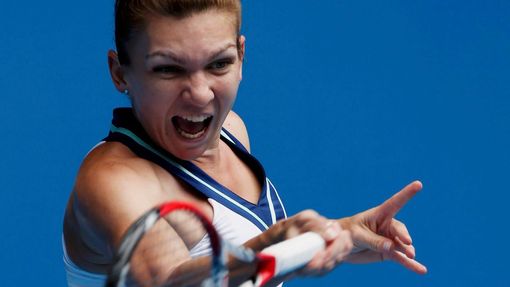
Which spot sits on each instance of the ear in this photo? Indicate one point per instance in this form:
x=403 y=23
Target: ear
x=242 y=47
x=116 y=72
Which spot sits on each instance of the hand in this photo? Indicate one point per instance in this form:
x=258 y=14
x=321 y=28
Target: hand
x=378 y=236
x=338 y=241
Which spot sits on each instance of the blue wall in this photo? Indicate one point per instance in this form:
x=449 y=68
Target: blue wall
x=345 y=101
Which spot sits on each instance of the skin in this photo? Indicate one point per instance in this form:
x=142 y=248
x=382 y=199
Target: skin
x=179 y=67
x=378 y=236
x=185 y=67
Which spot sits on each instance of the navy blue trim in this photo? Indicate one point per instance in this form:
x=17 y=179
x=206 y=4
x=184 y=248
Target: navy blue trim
x=124 y=118
x=241 y=151
x=277 y=205
x=235 y=140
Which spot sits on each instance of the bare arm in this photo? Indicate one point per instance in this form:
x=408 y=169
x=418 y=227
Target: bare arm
x=339 y=245
x=114 y=194
x=163 y=249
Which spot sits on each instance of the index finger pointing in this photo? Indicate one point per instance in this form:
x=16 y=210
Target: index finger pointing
x=392 y=205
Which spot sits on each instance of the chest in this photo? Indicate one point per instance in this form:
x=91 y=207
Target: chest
x=231 y=175
x=239 y=178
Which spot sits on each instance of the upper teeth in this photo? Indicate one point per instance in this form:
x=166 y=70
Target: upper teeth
x=195 y=119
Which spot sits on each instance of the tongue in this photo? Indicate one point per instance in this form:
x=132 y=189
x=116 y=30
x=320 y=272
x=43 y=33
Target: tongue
x=189 y=127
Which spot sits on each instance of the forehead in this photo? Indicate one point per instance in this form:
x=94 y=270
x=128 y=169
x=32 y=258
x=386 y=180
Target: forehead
x=195 y=34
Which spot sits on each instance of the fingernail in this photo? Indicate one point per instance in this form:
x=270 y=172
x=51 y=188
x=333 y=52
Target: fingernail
x=332 y=232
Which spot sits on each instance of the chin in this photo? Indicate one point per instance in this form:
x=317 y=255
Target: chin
x=189 y=154
x=187 y=148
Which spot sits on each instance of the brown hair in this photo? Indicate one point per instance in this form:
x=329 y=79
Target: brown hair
x=131 y=14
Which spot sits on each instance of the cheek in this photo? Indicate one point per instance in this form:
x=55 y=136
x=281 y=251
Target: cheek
x=151 y=108
x=157 y=95
x=229 y=87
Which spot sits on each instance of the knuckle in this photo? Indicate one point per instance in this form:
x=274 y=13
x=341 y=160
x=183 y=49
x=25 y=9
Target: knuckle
x=323 y=220
x=377 y=245
x=399 y=224
x=356 y=231
x=349 y=245
x=329 y=266
x=309 y=213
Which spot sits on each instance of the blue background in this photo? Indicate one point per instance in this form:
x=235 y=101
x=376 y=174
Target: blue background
x=345 y=101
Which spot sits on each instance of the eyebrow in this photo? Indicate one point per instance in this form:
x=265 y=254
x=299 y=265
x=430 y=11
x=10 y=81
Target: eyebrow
x=175 y=58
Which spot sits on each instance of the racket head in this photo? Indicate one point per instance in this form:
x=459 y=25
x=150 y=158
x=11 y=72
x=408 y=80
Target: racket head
x=162 y=237
x=185 y=226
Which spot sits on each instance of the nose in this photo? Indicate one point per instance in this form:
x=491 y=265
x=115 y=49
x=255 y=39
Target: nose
x=198 y=91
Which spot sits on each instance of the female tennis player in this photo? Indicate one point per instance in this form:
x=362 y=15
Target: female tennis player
x=180 y=64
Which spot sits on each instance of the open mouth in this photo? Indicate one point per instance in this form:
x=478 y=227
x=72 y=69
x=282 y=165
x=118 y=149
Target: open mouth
x=191 y=127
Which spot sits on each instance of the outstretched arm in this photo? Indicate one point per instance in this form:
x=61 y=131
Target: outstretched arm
x=378 y=236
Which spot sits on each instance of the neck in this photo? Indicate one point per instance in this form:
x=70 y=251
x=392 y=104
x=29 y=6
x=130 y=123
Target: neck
x=211 y=160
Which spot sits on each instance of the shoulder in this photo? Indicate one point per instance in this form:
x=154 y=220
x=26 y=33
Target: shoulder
x=114 y=182
x=112 y=165
x=235 y=125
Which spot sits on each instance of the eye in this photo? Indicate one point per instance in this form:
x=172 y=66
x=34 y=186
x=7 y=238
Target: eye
x=168 y=69
x=220 y=65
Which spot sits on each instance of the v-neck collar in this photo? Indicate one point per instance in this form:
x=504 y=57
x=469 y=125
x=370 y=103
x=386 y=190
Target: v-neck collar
x=126 y=129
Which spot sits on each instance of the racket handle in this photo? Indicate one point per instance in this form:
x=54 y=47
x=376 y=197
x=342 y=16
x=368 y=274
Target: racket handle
x=287 y=256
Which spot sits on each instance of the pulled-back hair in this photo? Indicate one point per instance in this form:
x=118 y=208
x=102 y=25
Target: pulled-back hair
x=130 y=16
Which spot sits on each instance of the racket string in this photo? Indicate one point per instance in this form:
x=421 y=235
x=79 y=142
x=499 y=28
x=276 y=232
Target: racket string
x=166 y=246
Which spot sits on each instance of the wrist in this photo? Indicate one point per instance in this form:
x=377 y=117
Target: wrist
x=269 y=237
x=345 y=223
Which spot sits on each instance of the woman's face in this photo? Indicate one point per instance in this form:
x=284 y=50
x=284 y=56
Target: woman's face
x=183 y=79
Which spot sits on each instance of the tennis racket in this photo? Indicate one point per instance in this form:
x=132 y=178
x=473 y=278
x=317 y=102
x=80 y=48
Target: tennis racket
x=175 y=244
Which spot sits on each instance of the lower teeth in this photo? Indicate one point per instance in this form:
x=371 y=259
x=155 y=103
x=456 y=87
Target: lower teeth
x=191 y=136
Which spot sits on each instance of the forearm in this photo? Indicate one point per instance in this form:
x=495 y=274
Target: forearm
x=194 y=271
x=275 y=234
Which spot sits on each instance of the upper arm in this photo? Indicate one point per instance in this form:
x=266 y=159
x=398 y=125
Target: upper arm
x=235 y=125
x=112 y=195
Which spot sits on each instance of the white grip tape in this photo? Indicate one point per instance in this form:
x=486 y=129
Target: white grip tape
x=296 y=252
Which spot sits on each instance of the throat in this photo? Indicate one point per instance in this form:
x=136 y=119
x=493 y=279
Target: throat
x=232 y=173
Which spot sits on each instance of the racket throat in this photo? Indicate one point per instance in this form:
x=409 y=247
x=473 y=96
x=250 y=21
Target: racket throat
x=266 y=269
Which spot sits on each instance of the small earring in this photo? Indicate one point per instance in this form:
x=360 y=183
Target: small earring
x=126 y=92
